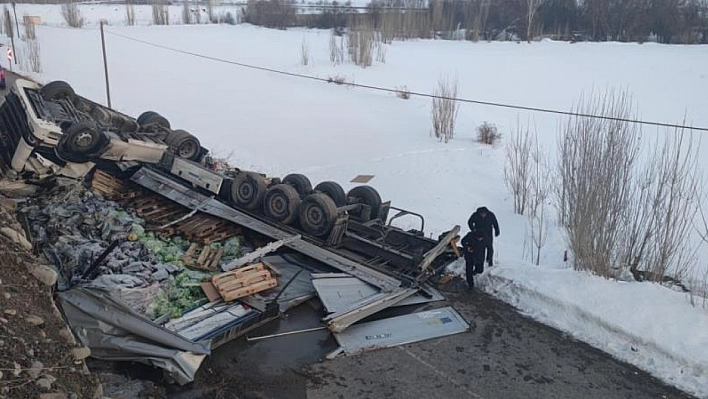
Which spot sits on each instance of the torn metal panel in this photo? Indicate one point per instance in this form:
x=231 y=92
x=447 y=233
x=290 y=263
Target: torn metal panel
x=210 y=320
x=338 y=322
x=400 y=330
x=341 y=292
x=192 y=199
x=115 y=332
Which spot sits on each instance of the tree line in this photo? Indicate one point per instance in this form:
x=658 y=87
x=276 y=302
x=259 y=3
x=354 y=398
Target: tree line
x=663 y=21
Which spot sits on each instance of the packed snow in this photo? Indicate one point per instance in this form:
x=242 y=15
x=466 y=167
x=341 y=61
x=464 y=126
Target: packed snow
x=280 y=124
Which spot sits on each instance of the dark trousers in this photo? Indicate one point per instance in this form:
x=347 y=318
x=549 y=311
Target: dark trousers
x=474 y=264
x=489 y=249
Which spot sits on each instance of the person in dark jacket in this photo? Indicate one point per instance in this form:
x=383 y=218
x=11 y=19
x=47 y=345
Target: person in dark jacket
x=473 y=245
x=485 y=221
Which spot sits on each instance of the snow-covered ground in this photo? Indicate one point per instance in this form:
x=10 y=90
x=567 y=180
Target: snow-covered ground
x=331 y=132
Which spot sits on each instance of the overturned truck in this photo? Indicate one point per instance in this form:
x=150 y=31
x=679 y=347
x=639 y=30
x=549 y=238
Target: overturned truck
x=48 y=131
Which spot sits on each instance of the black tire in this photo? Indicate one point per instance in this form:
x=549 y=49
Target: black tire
x=317 y=214
x=101 y=115
x=300 y=182
x=281 y=203
x=334 y=191
x=57 y=90
x=366 y=195
x=247 y=191
x=81 y=142
x=184 y=144
x=152 y=117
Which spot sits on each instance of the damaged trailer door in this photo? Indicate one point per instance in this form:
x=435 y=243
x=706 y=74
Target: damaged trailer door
x=115 y=332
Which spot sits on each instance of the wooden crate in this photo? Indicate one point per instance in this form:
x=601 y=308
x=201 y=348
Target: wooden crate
x=205 y=258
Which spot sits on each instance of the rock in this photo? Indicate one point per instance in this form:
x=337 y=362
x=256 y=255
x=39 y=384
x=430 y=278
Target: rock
x=7 y=295
x=81 y=353
x=17 y=189
x=16 y=237
x=34 y=320
x=17 y=369
x=54 y=395
x=44 y=383
x=10 y=312
x=42 y=334
x=35 y=370
x=0 y=375
x=45 y=274
x=3 y=320
x=30 y=352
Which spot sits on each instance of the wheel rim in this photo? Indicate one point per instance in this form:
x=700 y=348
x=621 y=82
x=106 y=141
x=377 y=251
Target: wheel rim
x=315 y=215
x=187 y=149
x=279 y=205
x=245 y=192
x=83 y=140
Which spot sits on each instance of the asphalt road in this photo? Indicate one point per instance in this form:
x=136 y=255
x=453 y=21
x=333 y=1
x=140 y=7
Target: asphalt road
x=504 y=355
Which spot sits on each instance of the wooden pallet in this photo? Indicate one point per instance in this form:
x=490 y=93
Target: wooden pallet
x=205 y=258
x=110 y=187
x=244 y=281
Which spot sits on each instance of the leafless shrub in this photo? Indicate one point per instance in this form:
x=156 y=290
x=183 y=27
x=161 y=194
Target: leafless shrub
x=517 y=170
x=3 y=20
x=33 y=53
x=304 y=52
x=596 y=163
x=336 y=50
x=72 y=15
x=488 y=133
x=129 y=13
x=337 y=79
x=30 y=33
x=403 y=92
x=360 y=43
x=666 y=200
x=380 y=47
x=444 y=109
x=160 y=13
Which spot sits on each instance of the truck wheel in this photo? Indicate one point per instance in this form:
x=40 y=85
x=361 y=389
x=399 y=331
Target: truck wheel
x=334 y=191
x=57 y=90
x=300 y=182
x=186 y=145
x=318 y=213
x=81 y=140
x=366 y=195
x=149 y=117
x=247 y=191
x=281 y=202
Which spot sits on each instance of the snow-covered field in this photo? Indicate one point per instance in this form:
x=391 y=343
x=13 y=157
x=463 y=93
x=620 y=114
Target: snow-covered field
x=331 y=132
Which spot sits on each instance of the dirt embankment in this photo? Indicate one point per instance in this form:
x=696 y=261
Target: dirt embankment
x=39 y=357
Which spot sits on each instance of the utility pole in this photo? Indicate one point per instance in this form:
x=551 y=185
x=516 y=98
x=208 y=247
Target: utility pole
x=14 y=10
x=105 y=64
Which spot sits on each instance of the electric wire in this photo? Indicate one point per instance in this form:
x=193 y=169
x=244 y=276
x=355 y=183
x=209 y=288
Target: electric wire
x=412 y=93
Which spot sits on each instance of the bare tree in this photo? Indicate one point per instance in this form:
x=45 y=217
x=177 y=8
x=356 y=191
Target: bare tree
x=160 y=13
x=187 y=17
x=72 y=15
x=9 y=26
x=360 y=43
x=540 y=189
x=30 y=32
x=129 y=13
x=444 y=108
x=596 y=164
x=532 y=7
x=517 y=170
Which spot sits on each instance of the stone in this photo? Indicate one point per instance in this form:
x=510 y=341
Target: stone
x=1 y=375
x=16 y=237
x=44 y=383
x=45 y=274
x=81 y=353
x=34 y=320
x=7 y=295
x=53 y=395
x=35 y=370
x=17 y=370
x=3 y=320
x=10 y=312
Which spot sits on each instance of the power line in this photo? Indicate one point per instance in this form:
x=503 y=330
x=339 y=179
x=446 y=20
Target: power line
x=412 y=93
